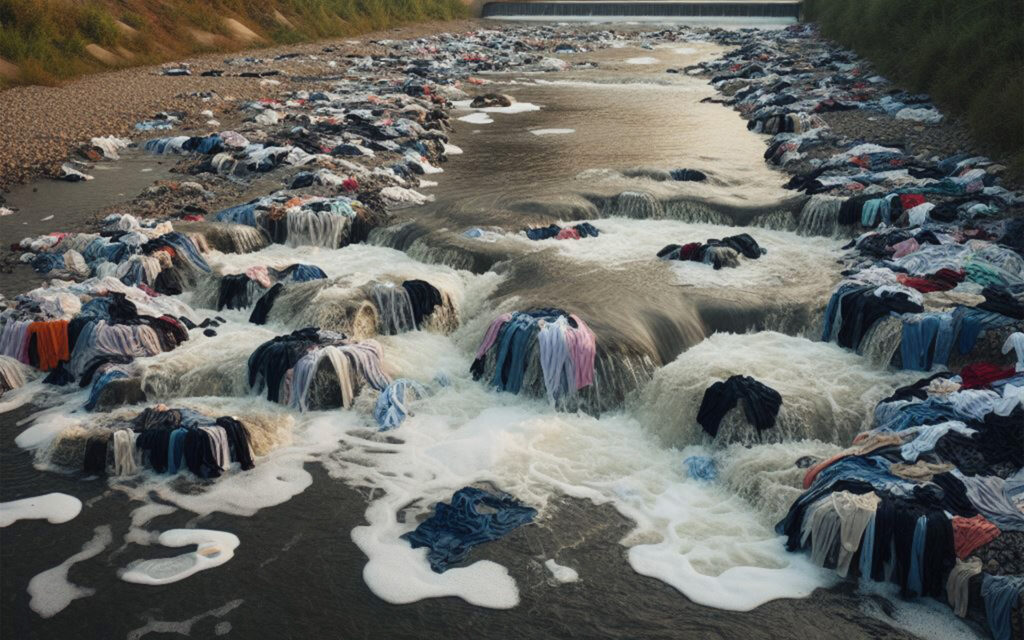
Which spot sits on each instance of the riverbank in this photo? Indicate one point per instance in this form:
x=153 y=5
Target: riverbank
x=43 y=125
x=968 y=57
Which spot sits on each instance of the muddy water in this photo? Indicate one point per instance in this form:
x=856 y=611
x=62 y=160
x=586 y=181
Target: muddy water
x=658 y=554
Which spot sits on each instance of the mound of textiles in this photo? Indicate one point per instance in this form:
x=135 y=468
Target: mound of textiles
x=474 y=517
x=929 y=496
x=575 y=232
x=760 y=403
x=91 y=331
x=162 y=439
x=525 y=348
x=151 y=255
x=718 y=253
x=786 y=82
x=307 y=220
x=929 y=296
x=288 y=368
x=241 y=290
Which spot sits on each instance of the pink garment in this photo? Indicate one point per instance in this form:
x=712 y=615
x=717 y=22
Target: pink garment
x=568 y=234
x=260 y=275
x=582 y=345
x=906 y=247
x=492 y=333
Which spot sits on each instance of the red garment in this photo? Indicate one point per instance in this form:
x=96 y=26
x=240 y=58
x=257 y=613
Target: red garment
x=813 y=472
x=51 y=342
x=971 y=533
x=689 y=251
x=149 y=290
x=568 y=234
x=350 y=184
x=982 y=374
x=949 y=276
x=924 y=285
x=911 y=200
x=192 y=217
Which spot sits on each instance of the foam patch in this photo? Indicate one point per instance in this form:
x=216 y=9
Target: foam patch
x=214 y=549
x=55 y=508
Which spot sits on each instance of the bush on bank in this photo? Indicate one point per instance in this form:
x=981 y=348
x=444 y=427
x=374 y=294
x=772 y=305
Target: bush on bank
x=967 y=54
x=47 y=39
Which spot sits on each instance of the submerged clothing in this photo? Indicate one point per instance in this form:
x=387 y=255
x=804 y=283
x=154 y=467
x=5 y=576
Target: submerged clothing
x=760 y=402
x=456 y=528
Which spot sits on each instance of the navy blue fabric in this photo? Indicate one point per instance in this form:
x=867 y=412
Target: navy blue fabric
x=456 y=528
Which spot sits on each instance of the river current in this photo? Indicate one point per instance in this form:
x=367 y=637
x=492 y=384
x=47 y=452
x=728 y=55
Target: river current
x=626 y=544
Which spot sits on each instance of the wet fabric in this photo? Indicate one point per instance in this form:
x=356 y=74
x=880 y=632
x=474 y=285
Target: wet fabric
x=988 y=495
x=392 y=406
x=760 y=403
x=701 y=467
x=575 y=232
x=264 y=305
x=269 y=363
x=454 y=529
x=1001 y=595
x=424 y=298
x=957 y=585
x=971 y=533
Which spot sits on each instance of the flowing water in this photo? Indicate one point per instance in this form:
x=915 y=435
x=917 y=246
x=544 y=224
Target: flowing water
x=657 y=554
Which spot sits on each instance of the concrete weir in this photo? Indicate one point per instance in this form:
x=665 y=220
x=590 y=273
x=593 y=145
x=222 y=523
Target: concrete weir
x=576 y=9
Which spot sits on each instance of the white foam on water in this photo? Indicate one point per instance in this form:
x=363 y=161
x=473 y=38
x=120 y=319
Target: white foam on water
x=642 y=60
x=214 y=549
x=698 y=537
x=452 y=150
x=55 y=508
x=50 y=590
x=551 y=132
x=828 y=393
x=476 y=118
x=184 y=627
x=627 y=241
x=923 y=617
x=561 y=573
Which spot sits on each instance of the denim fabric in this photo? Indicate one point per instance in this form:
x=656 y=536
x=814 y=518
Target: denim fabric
x=867 y=548
x=916 y=344
x=176 y=450
x=916 y=570
x=1001 y=594
x=944 y=339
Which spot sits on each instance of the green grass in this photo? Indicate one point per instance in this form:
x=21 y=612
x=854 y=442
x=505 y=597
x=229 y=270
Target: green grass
x=967 y=54
x=47 y=38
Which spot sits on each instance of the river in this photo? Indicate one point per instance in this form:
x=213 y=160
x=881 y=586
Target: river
x=657 y=554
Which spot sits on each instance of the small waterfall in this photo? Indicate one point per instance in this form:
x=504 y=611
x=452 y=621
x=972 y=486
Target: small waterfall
x=633 y=204
x=777 y=220
x=882 y=341
x=318 y=228
x=687 y=210
x=327 y=304
x=228 y=237
x=820 y=216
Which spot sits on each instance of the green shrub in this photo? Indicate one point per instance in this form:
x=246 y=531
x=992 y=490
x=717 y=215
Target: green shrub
x=967 y=54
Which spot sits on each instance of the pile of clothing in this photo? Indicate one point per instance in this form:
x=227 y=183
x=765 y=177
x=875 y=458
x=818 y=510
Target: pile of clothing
x=92 y=331
x=929 y=495
x=241 y=290
x=515 y=343
x=783 y=80
x=287 y=368
x=332 y=222
x=575 y=232
x=717 y=253
x=151 y=255
x=927 y=295
x=13 y=374
x=165 y=440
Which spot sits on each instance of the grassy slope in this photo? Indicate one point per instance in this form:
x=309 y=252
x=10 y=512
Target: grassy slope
x=968 y=54
x=47 y=39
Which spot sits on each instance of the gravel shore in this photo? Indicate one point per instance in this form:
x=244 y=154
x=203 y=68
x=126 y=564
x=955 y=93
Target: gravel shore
x=41 y=126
